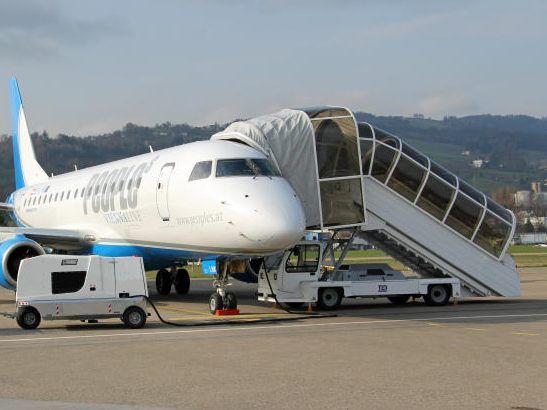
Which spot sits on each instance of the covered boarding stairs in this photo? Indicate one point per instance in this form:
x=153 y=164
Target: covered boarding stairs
x=350 y=174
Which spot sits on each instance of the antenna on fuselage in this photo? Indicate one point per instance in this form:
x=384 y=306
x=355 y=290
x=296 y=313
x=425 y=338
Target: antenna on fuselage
x=151 y=149
x=75 y=167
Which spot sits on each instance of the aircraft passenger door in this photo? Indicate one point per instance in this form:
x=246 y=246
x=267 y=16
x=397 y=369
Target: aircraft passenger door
x=162 y=189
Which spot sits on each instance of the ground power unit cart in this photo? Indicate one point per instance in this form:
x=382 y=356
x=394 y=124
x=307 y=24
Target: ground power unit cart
x=74 y=287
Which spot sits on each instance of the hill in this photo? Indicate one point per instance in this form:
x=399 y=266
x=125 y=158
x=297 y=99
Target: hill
x=514 y=146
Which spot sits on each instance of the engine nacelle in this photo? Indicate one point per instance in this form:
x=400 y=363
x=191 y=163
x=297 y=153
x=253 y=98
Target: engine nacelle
x=12 y=252
x=245 y=270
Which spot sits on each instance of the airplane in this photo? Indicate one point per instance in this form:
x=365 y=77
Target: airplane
x=220 y=202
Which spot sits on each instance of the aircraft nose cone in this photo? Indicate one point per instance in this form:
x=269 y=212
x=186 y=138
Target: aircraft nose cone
x=280 y=226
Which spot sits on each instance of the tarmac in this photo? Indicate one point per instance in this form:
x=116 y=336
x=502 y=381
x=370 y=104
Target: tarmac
x=479 y=353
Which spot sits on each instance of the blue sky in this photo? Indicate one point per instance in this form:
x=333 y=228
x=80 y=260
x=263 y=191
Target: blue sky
x=87 y=68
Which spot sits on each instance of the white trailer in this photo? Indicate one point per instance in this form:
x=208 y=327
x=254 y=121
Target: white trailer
x=75 y=287
x=298 y=276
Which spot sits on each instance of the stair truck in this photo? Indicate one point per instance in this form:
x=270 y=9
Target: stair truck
x=303 y=275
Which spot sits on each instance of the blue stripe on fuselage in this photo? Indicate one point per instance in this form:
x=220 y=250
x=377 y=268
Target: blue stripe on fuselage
x=154 y=258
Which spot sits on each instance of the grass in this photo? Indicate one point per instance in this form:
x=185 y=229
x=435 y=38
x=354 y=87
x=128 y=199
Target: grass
x=516 y=249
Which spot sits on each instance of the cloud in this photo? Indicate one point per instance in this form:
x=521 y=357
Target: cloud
x=441 y=105
x=37 y=30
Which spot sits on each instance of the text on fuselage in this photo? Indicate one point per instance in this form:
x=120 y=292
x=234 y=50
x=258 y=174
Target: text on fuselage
x=115 y=189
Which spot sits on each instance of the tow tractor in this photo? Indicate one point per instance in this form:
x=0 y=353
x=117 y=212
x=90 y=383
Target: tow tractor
x=303 y=275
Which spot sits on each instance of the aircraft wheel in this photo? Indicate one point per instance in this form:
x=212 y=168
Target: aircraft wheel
x=28 y=318
x=398 y=300
x=163 y=282
x=437 y=295
x=134 y=317
x=231 y=300
x=329 y=298
x=182 y=282
x=215 y=303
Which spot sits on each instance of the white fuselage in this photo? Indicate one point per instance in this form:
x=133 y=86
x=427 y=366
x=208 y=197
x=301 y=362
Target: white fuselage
x=149 y=201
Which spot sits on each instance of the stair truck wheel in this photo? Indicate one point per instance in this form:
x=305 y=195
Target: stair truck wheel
x=231 y=300
x=215 y=303
x=182 y=282
x=329 y=298
x=398 y=300
x=28 y=318
x=134 y=317
x=438 y=295
x=163 y=282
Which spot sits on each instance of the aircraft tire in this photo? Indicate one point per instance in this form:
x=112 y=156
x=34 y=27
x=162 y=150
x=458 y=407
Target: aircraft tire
x=231 y=300
x=163 y=282
x=182 y=282
x=215 y=303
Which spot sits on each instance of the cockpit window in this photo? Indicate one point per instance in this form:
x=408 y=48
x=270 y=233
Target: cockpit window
x=266 y=168
x=201 y=170
x=245 y=167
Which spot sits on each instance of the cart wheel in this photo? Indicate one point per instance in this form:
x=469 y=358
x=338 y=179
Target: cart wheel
x=231 y=300
x=28 y=318
x=329 y=298
x=163 y=282
x=398 y=300
x=215 y=303
x=182 y=282
x=437 y=295
x=134 y=317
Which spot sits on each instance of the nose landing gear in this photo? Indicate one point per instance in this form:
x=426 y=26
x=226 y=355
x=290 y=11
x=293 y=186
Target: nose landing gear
x=221 y=299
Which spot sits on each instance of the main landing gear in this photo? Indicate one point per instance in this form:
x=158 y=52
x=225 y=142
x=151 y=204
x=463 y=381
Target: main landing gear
x=221 y=299
x=166 y=278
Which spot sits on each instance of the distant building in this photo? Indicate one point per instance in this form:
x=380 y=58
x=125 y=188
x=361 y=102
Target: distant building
x=477 y=163
x=525 y=199
x=466 y=153
x=530 y=238
x=538 y=222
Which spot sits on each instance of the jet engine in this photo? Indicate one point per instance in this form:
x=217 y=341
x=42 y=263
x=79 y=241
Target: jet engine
x=12 y=252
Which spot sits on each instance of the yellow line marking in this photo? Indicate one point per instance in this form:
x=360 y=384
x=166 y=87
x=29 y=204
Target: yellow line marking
x=195 y=312
x=476 y=328
x=525 y=334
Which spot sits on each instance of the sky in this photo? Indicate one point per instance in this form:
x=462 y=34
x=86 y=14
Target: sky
x=91 y=67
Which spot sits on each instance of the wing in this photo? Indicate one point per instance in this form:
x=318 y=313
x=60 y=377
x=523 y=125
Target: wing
x=61 y=239
x=5 y=207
